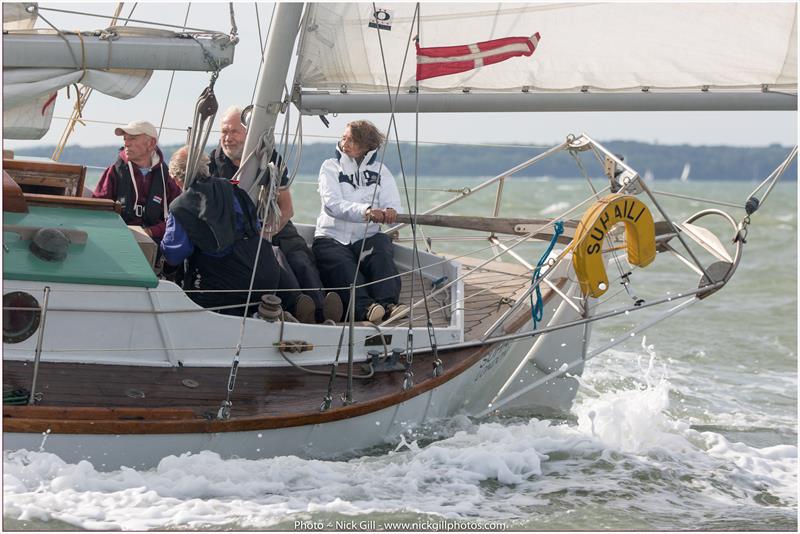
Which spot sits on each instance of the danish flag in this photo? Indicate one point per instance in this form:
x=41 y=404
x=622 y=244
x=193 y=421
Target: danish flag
x=443 y=60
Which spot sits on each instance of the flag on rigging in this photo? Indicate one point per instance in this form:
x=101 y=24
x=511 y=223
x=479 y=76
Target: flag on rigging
x=443 y=60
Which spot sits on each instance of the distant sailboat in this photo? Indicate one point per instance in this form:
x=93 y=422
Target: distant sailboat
x=649 y=176
x=685 y=172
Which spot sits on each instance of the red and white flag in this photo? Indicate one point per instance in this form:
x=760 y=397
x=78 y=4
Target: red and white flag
x=443 y=60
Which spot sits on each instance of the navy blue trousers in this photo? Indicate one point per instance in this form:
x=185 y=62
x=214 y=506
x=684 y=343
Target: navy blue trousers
x=233 y=271
x=301 y=263
x=337 y=268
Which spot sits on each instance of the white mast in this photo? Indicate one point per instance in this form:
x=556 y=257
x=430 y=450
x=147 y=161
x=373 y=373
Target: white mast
x=283 y=30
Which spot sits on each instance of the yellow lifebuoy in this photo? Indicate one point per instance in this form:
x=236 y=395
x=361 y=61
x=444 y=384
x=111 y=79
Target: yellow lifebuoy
x=587 y=245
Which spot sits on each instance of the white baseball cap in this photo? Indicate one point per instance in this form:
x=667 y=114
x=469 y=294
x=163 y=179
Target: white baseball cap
x=136 y=128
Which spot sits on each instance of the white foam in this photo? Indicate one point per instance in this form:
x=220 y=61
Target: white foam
x=192 y=490
x=639 y=420
x=558 y=207
x=628 y=440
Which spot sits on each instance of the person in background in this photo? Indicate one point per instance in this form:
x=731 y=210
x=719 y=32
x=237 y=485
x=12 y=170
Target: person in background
x=177 y=165
x=225 y=162
x=357 y=194
x=140 y=180
x=213 y=225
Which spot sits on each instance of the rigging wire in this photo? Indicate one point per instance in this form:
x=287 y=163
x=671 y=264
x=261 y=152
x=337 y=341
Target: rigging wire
x=668 y=298
x=333 y=137
x=393 y=124
x=773 y=177
x=127 y=20
x=262 y=45
x=234 y=33
x=81 y=98
x=623 y=274
x=172 y=77
x=698 y=199
x=61 y=34
x=268 y=196
x=349 y=316
x=574 y=154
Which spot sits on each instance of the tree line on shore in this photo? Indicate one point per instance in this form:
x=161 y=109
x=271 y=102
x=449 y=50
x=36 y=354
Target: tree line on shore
x=661 y=161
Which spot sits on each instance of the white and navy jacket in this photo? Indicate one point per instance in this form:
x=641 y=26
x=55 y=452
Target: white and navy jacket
x=346 y=190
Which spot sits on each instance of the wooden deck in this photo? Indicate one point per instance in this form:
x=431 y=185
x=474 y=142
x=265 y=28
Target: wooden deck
x=490 y=292
x=90 y=398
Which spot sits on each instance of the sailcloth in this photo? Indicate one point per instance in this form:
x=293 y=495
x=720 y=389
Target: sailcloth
x=444 y=60
x=29 y=94
x=586 y=47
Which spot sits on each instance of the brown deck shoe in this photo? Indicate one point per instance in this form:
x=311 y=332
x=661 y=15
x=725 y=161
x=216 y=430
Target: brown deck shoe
x=332 y=307
x=375 y=313
x=395 y=310
x=304 y=309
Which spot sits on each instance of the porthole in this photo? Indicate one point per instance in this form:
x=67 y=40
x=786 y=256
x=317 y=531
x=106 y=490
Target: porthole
x=21 y=316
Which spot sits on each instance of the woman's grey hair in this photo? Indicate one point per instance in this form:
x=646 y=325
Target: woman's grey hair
x=177 y=164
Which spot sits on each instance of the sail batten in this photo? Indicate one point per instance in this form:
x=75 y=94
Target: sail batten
x=589 y=47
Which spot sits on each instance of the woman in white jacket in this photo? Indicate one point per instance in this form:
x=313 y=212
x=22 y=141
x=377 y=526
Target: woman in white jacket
x=358 y=193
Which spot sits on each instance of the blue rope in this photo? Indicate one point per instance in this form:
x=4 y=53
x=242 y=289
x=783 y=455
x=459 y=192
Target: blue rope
x=537 y=309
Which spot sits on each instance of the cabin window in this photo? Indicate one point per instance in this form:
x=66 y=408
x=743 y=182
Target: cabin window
x=21 y=316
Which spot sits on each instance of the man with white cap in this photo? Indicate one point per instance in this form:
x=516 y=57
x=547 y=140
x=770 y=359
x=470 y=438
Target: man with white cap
x=140 y=179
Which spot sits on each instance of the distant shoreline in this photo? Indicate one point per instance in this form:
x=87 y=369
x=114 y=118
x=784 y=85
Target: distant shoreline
x=663 y=162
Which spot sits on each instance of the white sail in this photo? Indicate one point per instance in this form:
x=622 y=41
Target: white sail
x=687 y=168
x=29 y=94
x=605 y=47
x=17 y=16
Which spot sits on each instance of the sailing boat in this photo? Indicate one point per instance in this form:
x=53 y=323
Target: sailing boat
x=687 y=168
x=161 y=376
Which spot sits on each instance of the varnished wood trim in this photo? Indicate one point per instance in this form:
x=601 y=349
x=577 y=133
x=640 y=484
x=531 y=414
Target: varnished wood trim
x=13 y=201
x=45 y=166
x=95 y=413
x=15 y=421
x=67 y=177
x=102 y=204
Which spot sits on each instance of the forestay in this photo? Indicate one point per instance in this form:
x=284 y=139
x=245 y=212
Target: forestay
x=584 y=47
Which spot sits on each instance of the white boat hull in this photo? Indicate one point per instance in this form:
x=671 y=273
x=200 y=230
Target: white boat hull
x=469 y=393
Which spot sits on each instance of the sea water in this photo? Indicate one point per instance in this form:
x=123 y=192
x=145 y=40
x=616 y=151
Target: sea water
x=691 y=426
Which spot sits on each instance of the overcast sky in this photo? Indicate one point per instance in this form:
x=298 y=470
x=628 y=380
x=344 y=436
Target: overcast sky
x=236 y=84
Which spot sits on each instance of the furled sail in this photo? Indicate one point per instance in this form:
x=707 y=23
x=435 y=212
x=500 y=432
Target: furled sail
x=29 y=94
x=117 y=61
x=606 y=47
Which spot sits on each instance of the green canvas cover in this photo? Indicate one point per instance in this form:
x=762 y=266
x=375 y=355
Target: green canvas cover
x=110 y=256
